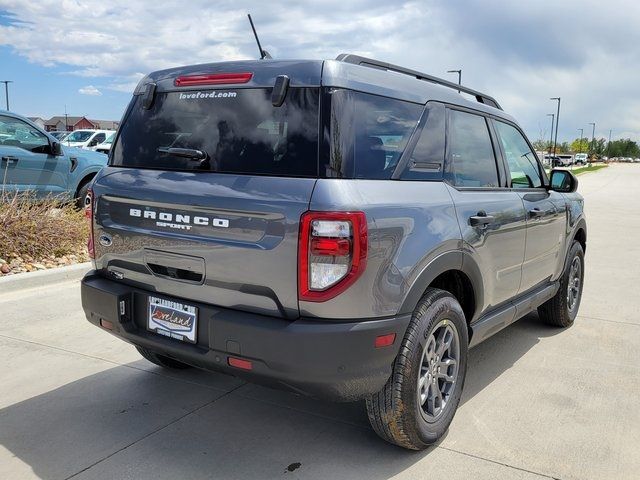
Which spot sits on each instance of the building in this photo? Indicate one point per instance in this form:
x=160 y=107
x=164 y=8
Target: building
x=106 y=124
x=68 y=123
x=71 y=123
x=38 y=121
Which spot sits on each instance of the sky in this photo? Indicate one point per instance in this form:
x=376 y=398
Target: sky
x=89 y=55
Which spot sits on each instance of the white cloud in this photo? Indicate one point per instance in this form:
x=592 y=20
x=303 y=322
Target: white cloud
x=522 y=52
x=89 y=90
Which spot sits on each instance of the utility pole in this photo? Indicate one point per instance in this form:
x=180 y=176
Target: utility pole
x=593 y=136
x=580 y=142
x=553 y=116
x=459 y=72
x=66 y=120
x=6 y=91
x=555 y=142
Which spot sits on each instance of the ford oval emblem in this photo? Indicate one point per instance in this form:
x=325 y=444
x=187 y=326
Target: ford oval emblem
x=105 y=240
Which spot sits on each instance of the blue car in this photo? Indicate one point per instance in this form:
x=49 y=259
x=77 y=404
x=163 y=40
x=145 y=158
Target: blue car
x=33 y=160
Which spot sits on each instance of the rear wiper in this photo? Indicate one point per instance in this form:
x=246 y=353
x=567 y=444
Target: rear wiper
x=184 y=152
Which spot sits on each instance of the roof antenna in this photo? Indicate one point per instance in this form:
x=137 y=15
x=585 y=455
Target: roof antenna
x=263 y=53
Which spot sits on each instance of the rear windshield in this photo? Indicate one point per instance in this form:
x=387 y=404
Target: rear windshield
x=231 y=131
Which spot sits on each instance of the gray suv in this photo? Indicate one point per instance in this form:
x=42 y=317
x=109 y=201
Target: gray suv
x=345 y=229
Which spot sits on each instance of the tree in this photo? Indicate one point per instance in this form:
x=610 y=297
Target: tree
x=623 y=148
x=541 y=145
x=580 y=145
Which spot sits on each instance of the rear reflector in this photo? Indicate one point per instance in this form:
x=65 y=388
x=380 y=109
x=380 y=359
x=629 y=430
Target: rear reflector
x=212 y=79
x=106 y=324
x=240 y=363
x=385 y=340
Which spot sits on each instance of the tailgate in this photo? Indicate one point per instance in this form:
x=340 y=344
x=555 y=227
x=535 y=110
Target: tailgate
x=222 y=239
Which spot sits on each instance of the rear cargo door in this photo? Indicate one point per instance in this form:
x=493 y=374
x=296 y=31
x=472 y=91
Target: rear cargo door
x=204 y=194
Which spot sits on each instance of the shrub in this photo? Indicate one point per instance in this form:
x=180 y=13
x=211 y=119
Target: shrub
x=40 y=228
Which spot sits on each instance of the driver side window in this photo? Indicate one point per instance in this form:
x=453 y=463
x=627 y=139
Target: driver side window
x=16 y=133
x=523 y=163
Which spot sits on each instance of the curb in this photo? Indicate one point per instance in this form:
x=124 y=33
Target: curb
x=40 y=278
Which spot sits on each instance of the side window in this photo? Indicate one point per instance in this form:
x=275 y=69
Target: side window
x=16 y=133
x=523 y=163
x=471 y=161
x=427 y=158
x=99 y=138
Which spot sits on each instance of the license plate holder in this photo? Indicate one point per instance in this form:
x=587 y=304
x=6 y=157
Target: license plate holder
x=172 y=319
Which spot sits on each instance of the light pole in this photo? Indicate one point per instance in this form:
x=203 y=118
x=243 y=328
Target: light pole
x=459 y=72
x=555 y=141
x=580 y=142
x=593 y=136
x=553 y=116
x=6 y=91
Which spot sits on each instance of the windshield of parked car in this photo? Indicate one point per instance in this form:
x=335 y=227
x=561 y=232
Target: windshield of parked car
x=110 y=138
x=229 y=131
x=79 y=136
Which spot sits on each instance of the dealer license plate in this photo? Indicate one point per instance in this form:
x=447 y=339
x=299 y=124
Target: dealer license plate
x=172 y=319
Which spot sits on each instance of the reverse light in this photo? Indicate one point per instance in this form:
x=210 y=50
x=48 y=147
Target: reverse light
x=332 y=253
x=88 y=213
x=212 y=79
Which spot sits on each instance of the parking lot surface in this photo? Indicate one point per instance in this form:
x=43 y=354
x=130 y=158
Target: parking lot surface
x=538 y=403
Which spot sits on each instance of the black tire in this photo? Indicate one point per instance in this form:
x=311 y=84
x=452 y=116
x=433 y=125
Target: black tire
x=82 y=194
x=557 y=311
x=162 y=360
x=395 y=412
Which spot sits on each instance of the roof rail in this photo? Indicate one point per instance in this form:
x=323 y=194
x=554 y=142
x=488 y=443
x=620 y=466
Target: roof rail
x=369 y=62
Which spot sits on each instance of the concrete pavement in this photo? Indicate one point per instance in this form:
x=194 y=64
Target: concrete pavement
x=538 y=403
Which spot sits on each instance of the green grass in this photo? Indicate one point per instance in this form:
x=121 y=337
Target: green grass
x=587 y=169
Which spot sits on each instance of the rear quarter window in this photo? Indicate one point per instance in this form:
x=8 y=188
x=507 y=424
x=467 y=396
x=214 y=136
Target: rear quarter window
x=365 y=135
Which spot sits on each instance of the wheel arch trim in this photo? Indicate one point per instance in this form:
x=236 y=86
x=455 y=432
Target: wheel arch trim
x=453 y=260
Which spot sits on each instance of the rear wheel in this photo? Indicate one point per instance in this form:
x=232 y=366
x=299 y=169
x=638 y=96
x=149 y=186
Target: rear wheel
x=162 y=360
x=562 y=309
x=416 y=406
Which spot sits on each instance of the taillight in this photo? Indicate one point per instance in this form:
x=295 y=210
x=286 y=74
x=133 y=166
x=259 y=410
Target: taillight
x=88 y=212
x=212 y=79
x=332 y=253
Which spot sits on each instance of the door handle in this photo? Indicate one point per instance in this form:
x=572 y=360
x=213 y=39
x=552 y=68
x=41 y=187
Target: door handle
x=481 y=220
x=537 y=213
x=10 y=159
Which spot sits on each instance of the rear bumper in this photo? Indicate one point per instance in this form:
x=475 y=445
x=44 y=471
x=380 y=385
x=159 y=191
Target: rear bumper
x=324 y=359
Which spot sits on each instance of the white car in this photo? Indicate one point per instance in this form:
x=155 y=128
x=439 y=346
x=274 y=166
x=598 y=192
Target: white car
x=105 y=146
x=87 y=139
x=580 y=158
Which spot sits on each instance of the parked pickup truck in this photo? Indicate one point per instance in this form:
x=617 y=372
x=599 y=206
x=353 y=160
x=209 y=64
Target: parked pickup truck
x=345 y=229
x=32 y=160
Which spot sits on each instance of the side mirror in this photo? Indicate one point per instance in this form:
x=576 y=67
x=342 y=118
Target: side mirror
x=563 y=181
x=56 y=149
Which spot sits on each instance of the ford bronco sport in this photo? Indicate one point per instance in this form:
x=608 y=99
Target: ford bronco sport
x=345 y=229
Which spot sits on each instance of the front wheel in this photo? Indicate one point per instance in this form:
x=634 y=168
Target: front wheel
x=82 y=195
x=562 y=309
x=416 y=406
